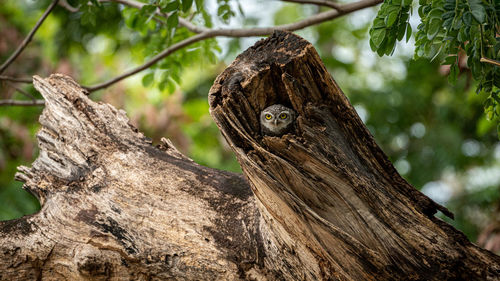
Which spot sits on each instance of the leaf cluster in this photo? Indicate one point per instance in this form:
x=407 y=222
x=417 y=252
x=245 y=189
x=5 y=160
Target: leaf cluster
x=390 y=25
x=157 y=26
x=447 y=28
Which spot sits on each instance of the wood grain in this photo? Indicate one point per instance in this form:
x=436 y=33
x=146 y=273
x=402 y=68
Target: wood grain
x=329 y=192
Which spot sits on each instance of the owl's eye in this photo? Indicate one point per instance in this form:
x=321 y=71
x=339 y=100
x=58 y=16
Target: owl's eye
x=268 y=116
x=283 y=115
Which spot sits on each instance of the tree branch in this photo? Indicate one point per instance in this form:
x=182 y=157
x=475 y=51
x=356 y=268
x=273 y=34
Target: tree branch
x=67 y=6
x=14 y=79
x=21 y=102
x=28 y=38
x=155 y=59
x=325 y=3
x=23 y=92
x=490 y=61
x=239 y=32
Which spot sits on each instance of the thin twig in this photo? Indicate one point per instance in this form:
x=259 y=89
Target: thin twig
x=67 y=6
x=28 y=38
x=155 y=59
x=23 y=92
x=490 y=61
x=22 y=102
x=259 y=31
x=325 y=3
x=14 y=79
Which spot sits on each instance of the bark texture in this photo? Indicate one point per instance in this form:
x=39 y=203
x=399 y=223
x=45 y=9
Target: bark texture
x=322 y=203
x=334 y=205
x=114 y=207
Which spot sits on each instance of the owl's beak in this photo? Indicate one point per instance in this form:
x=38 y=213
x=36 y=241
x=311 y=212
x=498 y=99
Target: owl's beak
x=275 y=122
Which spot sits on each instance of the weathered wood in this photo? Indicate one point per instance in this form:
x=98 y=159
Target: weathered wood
x=114 y=207
x=323 y=202
x=335 y=206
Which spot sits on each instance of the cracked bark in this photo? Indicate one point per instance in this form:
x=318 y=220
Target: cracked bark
x=335 y=206
x=321 y=203
x=116 y=207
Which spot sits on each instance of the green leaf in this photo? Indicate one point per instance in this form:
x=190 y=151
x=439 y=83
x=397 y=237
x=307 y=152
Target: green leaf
x=391 y=18
x=449 y=60
x=372 y=45
x=96 y=3
x=435 y=13
x=131 y=18
x=489 y=108
x=162 y=85
x=162 y=3
x=404 y=15
x=434 y=27
x=448 y=15
x=172 y=21
x=148 y=9
x=171 y=86
x=408 y=32
x=186 y=5
x=199 y=5
x=496 y=82
x=477 y=10
x=449 y=4
x=435 y=51
x=88 y=18
x=457 y=24
x=378 y=23
x=172 y=6
x=401 y=31
x=225 y=12
x=378 y=36
x=390 y=45
x=462 y=37
x=407 y=3
x=206 y=18
x=496 y=97
x=421 y=13
x=240 y=9
x=211 y=56
x=175 y=77
x=148 y=79
x=452 y=77
x=467 y=18
x=381 y=51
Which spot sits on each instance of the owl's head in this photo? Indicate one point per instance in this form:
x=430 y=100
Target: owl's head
x=276 y=119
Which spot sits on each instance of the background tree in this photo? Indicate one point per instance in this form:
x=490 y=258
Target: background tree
x=437 y=135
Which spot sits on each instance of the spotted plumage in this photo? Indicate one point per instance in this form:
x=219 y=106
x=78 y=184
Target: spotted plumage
x=276 y=120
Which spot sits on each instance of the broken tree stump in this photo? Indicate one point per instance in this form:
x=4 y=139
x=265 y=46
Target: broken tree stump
x=335 y=206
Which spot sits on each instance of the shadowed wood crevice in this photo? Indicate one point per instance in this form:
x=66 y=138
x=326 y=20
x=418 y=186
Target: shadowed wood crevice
x=327 y=184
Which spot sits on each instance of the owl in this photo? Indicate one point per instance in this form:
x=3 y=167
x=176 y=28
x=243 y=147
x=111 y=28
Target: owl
x=276 y=120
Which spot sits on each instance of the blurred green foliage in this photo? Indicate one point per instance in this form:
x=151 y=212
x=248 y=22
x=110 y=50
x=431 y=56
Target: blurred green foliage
x=17 y=147
x=449 y=28
x=436 y=134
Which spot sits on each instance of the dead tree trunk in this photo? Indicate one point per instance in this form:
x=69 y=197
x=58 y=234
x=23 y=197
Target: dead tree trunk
x=326 y=203
x=334 y=205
